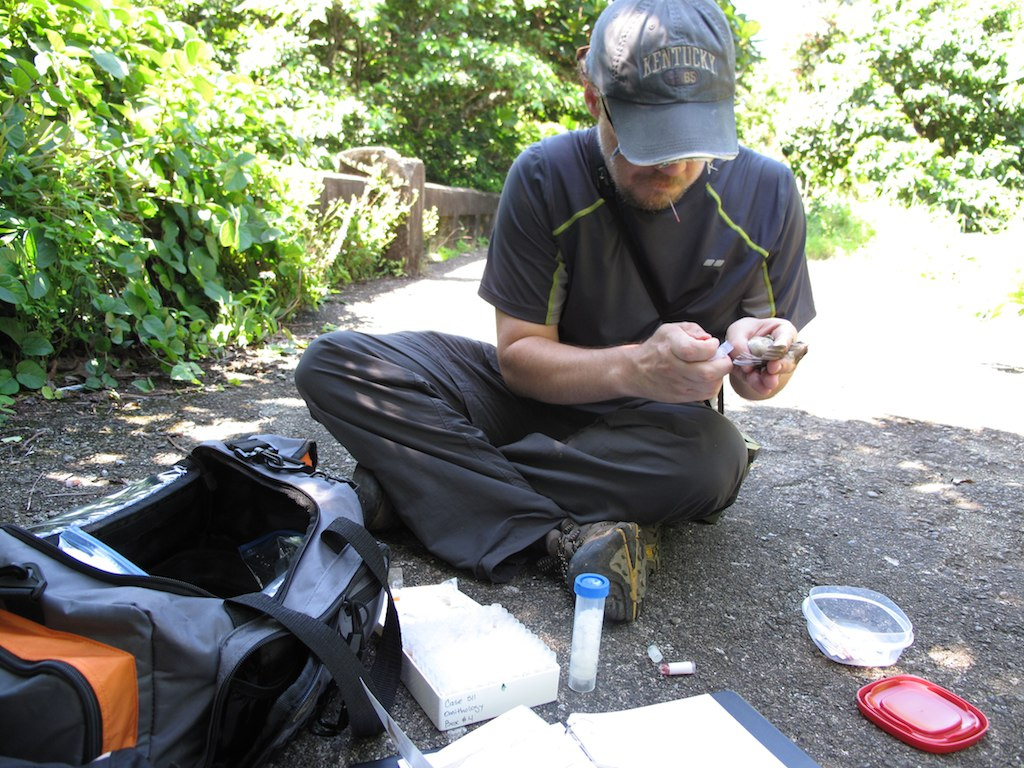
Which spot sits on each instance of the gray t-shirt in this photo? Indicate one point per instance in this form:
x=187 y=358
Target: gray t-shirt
x=558 y=255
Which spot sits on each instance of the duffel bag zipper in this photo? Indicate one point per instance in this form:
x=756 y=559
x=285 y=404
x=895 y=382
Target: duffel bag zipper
x=92 y=717
x=161 y=583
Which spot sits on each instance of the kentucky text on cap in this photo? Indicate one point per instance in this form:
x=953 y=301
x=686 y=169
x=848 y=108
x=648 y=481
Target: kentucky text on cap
x=667 y=71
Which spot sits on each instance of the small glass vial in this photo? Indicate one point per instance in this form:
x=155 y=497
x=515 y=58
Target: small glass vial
x=591 y=590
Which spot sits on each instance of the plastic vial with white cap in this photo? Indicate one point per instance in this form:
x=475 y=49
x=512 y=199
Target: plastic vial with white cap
x=591 y=590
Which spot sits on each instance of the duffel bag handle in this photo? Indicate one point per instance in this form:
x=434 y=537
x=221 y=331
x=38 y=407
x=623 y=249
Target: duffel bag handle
x=387 y=669
x=325 y=643
x=281 y=453
x=22 y=585
x=24 y=581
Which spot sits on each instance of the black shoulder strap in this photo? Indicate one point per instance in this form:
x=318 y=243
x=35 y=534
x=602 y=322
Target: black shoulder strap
x=341 y=661
x=605 y=185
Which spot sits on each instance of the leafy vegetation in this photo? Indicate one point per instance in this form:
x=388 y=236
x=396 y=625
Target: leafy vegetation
x=921 y=101
x=833 y=229
x=463 y=86
x=153 y=201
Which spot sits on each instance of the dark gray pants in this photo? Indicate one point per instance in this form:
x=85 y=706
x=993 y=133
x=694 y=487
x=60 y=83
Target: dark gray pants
x=480 y=474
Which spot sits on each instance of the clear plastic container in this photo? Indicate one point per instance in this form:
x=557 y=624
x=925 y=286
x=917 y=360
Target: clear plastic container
x=588 y=621
x=87 y=548
x=857 y=626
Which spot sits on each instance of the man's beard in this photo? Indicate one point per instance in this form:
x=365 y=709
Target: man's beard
x=656 y=193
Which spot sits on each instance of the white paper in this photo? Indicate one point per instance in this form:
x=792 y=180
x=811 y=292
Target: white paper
x=697 y=728
x=518 y=738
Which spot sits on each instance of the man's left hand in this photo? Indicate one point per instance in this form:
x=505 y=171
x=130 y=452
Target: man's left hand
x=760 y=382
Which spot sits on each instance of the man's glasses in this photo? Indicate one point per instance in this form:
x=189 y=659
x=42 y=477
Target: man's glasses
x=686 y=159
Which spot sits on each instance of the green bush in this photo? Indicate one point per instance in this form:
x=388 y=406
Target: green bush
x=151 y=200
x=920 y=101
x=352 y=236
x=834 y=228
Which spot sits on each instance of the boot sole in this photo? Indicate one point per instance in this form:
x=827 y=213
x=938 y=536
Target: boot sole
x=627 y=572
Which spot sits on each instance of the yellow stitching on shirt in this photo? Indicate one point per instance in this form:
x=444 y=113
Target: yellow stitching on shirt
x=577 y=216
x=555 y=282
x=560 y=269
x=750 y=243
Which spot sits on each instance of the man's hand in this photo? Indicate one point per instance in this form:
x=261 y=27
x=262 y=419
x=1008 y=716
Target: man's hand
x=678 y=364
x=763 y=381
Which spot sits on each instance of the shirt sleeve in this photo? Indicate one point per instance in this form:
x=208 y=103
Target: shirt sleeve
x=787 y=274
x=525 y=274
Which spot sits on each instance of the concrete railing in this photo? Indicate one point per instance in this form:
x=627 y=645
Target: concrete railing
x=461 y=212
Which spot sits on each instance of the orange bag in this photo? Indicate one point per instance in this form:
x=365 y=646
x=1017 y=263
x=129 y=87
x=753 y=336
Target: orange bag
x=99 y=672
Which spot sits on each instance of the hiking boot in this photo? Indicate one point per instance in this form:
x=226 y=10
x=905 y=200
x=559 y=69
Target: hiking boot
x=650 y=535
x=614 y=550
x=753 y=447
x=378 y=512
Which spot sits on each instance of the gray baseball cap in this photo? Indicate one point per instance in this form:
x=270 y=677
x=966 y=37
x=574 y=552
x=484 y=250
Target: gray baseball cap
x=667 y=72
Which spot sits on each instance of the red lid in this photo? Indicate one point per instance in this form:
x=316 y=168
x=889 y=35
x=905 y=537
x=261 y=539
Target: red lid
x=922 y=714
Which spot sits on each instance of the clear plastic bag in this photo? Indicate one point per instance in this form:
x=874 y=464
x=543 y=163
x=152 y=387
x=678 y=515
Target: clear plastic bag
x=269 y=556
x=94 y=552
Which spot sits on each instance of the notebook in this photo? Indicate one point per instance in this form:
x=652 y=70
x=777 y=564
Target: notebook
x=710 y=729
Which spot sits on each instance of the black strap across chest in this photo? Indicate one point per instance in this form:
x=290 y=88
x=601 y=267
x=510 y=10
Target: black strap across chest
x=605 y=185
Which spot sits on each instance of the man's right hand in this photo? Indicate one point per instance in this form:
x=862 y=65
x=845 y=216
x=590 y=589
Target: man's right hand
x=678 y=364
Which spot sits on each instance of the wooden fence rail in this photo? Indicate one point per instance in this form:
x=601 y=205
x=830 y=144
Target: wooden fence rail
x=461 y=212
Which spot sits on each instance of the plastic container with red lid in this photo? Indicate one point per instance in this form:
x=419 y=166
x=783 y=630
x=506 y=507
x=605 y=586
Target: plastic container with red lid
x=921 y=713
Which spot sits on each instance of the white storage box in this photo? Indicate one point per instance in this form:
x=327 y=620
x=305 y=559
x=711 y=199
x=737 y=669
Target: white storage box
x=465 y=662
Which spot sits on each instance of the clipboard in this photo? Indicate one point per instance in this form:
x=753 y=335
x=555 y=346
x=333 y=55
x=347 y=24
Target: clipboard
x=774 y=740
x=775 y=746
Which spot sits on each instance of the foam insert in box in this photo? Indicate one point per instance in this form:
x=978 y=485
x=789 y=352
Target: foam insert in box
x=466 y=662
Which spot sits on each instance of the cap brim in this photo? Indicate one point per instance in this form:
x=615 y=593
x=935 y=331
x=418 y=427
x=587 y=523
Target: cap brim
x=650 y=134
